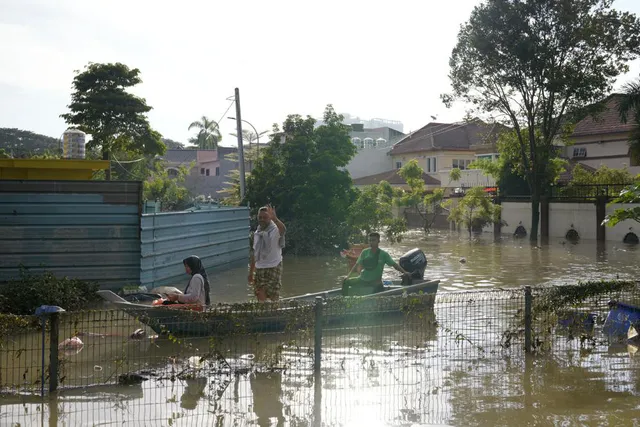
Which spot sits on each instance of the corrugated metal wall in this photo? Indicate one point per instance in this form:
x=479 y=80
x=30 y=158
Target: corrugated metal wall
x=82 y=229
x=220 y=237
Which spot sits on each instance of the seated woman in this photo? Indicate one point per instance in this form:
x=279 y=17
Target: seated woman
x=197 y=290
x=372 y=261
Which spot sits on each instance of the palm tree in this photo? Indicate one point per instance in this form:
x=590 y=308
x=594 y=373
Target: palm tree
x=629 y=104
x=208 y=135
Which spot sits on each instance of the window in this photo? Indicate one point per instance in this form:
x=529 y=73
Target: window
x=461 y=164
x=368 y=142
x=431 y=165
x=217 y=171
x=172 y=173
x=398 y=165
x=485 y=156
x=201 y=171
x=579 y=152
x=357 y=142
x=207 y=172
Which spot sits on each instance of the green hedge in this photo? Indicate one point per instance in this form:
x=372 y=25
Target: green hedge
x=24 y=295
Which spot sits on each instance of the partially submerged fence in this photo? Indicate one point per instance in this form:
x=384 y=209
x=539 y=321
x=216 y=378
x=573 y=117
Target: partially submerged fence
x=417 y=351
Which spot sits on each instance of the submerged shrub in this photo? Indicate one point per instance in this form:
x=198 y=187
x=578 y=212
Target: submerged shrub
x=24 y=295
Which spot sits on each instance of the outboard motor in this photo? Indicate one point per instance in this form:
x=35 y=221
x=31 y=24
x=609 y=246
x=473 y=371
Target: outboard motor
x=414 y=262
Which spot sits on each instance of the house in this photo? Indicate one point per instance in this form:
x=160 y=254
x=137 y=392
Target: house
x=209 y=168
x=441 y=147
x=394 y=178
x=373 y=147
x=602 y=139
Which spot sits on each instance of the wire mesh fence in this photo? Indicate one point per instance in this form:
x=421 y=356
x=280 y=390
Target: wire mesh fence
x=457 y=358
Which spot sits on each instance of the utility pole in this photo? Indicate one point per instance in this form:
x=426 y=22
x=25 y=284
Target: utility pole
x=240 y=144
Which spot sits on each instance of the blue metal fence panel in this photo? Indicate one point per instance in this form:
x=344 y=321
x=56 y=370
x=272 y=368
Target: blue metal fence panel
x=220 y=237
x=87 y=230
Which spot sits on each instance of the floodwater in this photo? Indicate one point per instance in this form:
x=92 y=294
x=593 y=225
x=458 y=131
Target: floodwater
x=447 y=367
x=460 y=263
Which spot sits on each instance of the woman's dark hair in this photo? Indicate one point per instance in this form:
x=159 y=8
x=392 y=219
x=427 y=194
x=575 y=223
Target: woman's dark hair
x=195 y=265
x=376 y=235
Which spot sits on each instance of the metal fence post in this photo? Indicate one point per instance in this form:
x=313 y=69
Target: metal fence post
x=317 y=345
x=53 y=351
x=528 y=298
x=317 y=363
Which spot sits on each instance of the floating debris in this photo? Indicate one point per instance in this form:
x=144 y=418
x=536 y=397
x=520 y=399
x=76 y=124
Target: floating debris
x=129 y=379
x=71 y=346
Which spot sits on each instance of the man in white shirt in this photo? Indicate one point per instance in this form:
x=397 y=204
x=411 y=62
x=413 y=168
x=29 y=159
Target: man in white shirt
x=265 y=271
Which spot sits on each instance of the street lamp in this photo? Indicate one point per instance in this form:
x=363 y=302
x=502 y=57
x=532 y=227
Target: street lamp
x=257 y=136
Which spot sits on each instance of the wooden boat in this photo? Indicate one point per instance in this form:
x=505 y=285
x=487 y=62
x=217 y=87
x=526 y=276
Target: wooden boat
x=289 y=314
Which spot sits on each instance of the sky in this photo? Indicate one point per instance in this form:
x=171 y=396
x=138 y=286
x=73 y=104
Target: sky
x=370 y=58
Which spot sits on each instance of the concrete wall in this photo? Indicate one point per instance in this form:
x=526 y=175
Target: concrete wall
x=369 y=161
x=515 y=214
x=563 y=215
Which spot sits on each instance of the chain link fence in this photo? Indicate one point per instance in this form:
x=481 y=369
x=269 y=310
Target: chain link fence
x=448 y=358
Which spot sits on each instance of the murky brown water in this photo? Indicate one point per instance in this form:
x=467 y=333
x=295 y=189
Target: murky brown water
x=455 y=373
x=488 y=263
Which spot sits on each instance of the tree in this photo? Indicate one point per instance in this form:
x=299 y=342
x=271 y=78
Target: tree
x=509 y=169
x=24 y=144
x=305 y=179
x=173 y=145
x=208 y=135
x=474 y=210
x=253 y=152
x=115 y=119
x=166 y=189
x=630 y=194
x=428 y=205
x=602 y=176
x=628 y=105
x=231 y=193
x=535 y=61
x=372 y=211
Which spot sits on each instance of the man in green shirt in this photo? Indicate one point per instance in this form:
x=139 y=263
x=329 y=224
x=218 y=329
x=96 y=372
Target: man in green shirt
x=371 y=261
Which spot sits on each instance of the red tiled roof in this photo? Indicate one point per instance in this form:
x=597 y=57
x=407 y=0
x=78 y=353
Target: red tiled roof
x=607 y=121
x=448 y=136
x=393 y=178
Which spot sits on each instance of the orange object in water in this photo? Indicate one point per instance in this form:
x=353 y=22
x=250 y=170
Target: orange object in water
x=353 y=253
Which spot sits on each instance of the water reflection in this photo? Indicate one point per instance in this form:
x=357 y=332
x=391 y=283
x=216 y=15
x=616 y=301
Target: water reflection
x=503 y=261
x=193 y=392
x=266 y=389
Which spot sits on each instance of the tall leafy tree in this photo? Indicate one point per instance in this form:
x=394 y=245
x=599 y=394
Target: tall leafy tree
x=302 y=173
x=208 y=135
x=509 y=169
x=629 y=106
x=116 y=119
x=531 y=62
